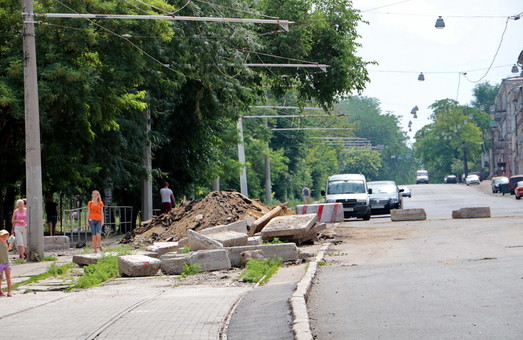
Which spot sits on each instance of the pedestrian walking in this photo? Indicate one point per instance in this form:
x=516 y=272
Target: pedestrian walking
x=19 y=222
x=95 y=219
x=306 y=194
x=167 y=198
x=5 y=265
x=51 y=210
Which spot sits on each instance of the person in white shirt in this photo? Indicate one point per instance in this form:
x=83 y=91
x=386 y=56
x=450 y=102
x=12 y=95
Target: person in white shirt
x=167 y=198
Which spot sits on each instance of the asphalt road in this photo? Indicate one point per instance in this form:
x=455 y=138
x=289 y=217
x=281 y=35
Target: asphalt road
x=434 y=279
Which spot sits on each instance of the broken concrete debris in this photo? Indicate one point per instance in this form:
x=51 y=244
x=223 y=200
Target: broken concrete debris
x=223 y=230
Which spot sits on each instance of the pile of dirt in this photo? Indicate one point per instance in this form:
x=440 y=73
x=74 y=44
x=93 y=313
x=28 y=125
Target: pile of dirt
x=217 y=208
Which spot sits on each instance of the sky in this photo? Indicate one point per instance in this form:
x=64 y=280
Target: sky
x=402 y=39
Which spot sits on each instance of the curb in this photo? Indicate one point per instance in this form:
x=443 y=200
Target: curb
x=298 y=301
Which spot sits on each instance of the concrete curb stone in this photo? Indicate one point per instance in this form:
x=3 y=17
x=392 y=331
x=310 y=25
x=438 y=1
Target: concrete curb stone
x=298 y=301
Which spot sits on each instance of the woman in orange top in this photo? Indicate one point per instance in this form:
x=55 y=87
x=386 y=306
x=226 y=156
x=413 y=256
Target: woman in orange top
x=95 y=219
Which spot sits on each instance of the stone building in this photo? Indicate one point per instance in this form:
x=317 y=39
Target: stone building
x=507 y=131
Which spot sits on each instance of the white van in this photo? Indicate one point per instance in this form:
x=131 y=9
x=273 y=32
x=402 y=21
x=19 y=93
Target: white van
x=422 y=176
x=351 y=190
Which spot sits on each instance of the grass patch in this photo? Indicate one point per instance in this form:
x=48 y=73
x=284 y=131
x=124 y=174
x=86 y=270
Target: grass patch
x=191 y=269
x=322 y=263
x=50 y=258
x=105 y=269
x=186 y=250
x=54 y=270
x=18 y=261
x=260 y=270
x=274 y=241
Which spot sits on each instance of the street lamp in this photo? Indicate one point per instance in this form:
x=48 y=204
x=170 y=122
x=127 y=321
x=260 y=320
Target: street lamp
x=421 y=77
x=440 y=23
x=515 y=69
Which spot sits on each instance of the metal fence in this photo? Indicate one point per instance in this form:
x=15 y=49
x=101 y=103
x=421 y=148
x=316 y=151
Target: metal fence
x=118 y=220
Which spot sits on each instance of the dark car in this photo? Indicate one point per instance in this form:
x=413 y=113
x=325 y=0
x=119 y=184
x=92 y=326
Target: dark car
x=451 y=179
x=513 y=182
x=385 y=196
x=496 y=183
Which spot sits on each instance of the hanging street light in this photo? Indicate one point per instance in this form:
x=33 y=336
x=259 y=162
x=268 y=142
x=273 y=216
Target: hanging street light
x=440 y=23
x=421 y=77
x=414 y=110
x=515 y=69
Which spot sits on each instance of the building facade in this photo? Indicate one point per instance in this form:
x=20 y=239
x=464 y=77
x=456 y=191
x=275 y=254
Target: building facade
x=507 y=128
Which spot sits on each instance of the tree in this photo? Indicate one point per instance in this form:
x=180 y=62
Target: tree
x=484 y=95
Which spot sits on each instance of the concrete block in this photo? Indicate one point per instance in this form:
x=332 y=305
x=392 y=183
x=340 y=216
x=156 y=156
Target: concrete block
x=287 y=251
x=172 y=263
x=327 y=212
x=260 y=223
x=150 y=254
x=199 y=241
x=309 y=236
x=86 y=259
x=474 y=212
x=163 y=247
x=214 y=259
x=408 y=215
x=56 y=242
x=138 y=265
x=238 y=226
x=285 y=226
x=230 y=238
x=251 y=254
x=254 y=241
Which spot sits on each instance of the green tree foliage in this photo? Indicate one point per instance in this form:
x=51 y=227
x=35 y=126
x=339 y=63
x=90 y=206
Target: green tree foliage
x=484 y=95
x=453 y=136
x=101 y=82
x=381 y=130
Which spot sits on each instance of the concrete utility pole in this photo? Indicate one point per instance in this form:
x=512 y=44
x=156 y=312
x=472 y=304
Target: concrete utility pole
x=241 y=158
x=33 y=161
x=268 y=181
x=147 y=183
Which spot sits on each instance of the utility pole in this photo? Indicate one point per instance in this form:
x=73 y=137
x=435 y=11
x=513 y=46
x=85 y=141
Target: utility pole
x=33 y=161
x=147 y=183
x=268 y=182
x=241 y=158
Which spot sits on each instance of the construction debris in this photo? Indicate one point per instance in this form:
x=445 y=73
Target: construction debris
x=217 y=208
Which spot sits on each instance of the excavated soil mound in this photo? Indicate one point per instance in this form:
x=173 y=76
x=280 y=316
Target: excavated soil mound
x=217 y=208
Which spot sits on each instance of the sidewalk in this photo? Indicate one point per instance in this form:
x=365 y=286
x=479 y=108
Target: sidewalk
x=138 y=308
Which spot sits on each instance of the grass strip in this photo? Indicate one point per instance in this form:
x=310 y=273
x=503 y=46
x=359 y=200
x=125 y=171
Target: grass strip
x=54 y=270
x=260 y=270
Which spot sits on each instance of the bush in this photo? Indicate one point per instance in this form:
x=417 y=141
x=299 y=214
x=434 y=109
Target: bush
x=191 y=269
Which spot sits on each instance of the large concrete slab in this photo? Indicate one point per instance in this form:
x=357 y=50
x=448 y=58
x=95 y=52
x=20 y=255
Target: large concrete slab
x=327 y=212
x=138 y=265
x=172 y=263
x=163 y=247
x=197 y=241
x=474 y=212
x=238 y=226
x=408 y=215
x=56 y=242
x=260 y=223
x=230 y=238
x=286 y=251
x=214 y=259
x=286 y=226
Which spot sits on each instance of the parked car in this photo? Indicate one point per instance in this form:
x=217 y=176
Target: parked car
x=384 y=197
x=450 y=179
x=472 y=179
x=478 y=173
x=496 y=183
x=352 y=191
x=519 y=190
x=513 y=182
x=406 y=191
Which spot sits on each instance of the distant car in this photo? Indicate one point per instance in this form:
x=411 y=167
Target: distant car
x=451 y=179
x=513 y=182
x=478 y=173
x=384 y=197
x=519 y=190
x=496 y=183
x=422 y=176
x=406 y=191
x=472 y=179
